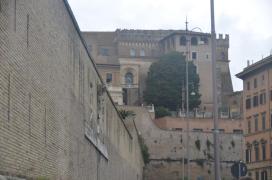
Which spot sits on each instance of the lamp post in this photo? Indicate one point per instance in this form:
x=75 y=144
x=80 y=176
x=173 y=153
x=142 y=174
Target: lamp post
x=215 y=108
x=187 y=101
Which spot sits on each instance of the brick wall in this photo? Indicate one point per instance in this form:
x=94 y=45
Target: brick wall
x=50 y=93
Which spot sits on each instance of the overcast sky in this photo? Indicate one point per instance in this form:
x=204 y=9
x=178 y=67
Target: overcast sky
x=248 y=22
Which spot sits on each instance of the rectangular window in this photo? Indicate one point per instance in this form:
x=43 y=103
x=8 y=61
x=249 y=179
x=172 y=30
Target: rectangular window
x=249 y=126
x=109 y=78
x=142 y=53
x=255 y=83
x=256 y=123
x=264 y=151
x=248 y=155
x=194 y=55
x=255 y=101
x=248 y=103
x=132 y=52
x=104 y=52
x=248 y=85
x=263 y=120
x=270 y=150
x=256 y=153
x=263 y=98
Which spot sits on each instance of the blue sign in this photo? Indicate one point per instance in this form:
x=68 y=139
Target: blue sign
x=239 y=169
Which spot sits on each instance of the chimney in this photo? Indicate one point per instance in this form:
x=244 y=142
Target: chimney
x=248 y=63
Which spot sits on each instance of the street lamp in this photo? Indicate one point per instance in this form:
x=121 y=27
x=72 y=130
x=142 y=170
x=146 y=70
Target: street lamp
x=187 y=100
x=215 y=108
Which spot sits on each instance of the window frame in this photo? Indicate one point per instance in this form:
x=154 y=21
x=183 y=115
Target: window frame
x=248 y=103
x=183 y=41
x=194 y=41
x=263 y=120
x=132 y=52
x=255 y=83
x=256 y=123
x=263 y=151
x=104 y=51
x=142 y=53
x=194 y=55
x=257 y=152
x=109 y=77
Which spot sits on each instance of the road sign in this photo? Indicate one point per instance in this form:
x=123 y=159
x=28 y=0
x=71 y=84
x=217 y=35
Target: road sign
x=239 y=169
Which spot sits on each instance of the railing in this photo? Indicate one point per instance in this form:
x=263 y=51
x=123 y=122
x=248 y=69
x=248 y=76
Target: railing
x=206 y=114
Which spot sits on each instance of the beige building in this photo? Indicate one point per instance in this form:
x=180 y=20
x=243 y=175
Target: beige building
x=257 y=96
x=135 y=50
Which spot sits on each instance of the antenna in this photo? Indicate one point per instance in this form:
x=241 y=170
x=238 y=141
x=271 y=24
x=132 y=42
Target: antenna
x=186 y=24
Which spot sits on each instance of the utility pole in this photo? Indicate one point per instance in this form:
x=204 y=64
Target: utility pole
x=215 y=103
x=187 y=105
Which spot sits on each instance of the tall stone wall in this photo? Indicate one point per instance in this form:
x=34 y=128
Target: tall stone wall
x=168 y=149
x=57 y=121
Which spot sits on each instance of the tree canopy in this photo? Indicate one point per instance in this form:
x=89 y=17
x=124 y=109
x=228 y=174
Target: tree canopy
x=167 y=80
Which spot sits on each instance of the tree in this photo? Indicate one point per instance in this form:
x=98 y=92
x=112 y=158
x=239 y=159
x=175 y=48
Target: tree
x=166 y=80
x=161 y=112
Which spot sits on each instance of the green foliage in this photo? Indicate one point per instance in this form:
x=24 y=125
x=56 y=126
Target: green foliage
x=144 y=150
x=124 y=113
x=161 y=112
x=198 y=145
x=167 y=78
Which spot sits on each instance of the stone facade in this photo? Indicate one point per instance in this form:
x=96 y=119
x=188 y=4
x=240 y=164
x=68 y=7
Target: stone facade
x=257 y=97
x=136 y=50
x=167 y=150
x=57 y=121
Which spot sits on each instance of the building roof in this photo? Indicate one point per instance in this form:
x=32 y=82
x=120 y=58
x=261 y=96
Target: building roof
x=183 y=32
x=256 y=67
x=142 y=35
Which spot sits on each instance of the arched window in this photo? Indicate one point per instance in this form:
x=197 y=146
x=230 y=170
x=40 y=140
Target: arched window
x=194 y=41
x=182 y=41
x=129 y=78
